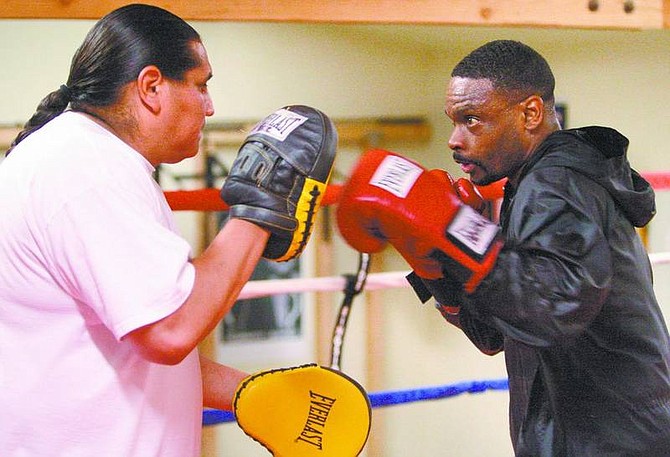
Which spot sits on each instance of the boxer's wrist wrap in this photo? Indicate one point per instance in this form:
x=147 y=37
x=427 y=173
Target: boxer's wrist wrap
x=445 y=290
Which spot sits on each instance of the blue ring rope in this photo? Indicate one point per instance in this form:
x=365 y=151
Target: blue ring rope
x=391 y=397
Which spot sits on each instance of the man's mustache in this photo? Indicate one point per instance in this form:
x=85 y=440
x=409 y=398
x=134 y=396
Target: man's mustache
x=459 y=159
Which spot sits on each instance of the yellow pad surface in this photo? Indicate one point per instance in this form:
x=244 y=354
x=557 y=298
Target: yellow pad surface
x=307 y=208
x=304 y=411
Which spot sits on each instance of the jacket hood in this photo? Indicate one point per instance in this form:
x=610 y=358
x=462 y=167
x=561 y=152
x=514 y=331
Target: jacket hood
x=600 y=154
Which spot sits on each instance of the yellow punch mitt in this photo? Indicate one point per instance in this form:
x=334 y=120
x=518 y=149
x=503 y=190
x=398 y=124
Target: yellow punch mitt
x=304 y=411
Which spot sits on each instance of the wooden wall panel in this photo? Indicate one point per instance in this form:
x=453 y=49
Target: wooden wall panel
x=626 y=14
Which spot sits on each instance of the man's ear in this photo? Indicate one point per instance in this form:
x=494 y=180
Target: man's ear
x=149 y=89
x=533 y=110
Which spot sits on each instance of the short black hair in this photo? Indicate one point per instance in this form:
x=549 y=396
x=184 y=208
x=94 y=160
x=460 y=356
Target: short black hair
x=510 y=66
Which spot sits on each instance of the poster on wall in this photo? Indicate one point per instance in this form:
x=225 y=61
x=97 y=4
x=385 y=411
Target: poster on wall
x=266 y=318
x=271 y=330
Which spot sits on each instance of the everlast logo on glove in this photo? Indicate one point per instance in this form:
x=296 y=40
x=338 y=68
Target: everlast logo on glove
x=319 y=408
x=279 y=124
x=473 y=231
x=396 y=175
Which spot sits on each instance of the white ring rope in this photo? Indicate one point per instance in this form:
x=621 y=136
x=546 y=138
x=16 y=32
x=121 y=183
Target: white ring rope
x=659 y=258
x=374 y=281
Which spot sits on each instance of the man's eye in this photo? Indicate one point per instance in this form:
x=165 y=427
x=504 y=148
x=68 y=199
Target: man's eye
x=471 y=120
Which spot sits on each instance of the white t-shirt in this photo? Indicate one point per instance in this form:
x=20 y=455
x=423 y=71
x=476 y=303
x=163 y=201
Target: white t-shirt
x=89 y=252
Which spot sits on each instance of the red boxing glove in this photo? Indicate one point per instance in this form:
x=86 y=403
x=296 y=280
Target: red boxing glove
x=466 y=191
x=391 y=199
x=470 y=195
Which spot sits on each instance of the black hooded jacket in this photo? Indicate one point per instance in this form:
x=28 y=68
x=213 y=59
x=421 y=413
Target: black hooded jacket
x=570 y=300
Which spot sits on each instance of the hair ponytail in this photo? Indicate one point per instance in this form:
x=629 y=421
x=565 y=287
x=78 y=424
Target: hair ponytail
x=51 y=106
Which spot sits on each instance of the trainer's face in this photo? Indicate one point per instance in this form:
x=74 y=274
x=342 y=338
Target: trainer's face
x=487 y=140
x=188 y=106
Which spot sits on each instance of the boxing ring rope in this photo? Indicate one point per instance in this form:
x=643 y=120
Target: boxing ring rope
x=351 y=285
x=375 y=281
x=390 y=397
x=209 y=200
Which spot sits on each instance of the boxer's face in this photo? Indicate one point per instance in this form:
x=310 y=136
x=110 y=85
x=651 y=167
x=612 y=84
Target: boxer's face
x=188 y=105
x=487 y=139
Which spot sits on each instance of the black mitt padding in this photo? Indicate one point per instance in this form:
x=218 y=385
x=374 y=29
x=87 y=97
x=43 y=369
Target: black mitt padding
x=280 y=176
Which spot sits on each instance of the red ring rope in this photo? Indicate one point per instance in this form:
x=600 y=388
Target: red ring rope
x=209 y=200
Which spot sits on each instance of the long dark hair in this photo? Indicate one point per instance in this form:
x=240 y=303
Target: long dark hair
x=113 y=53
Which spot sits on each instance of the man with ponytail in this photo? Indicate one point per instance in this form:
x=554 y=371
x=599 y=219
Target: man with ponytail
x=101 y=305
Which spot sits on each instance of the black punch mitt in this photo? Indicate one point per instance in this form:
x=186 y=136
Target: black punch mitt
x=280 y=175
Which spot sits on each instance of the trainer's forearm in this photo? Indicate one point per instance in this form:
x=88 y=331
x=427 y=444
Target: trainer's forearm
x=220 y=273
x=219 y=384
